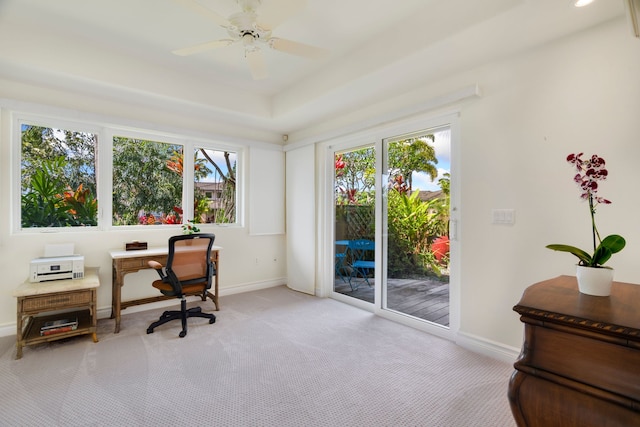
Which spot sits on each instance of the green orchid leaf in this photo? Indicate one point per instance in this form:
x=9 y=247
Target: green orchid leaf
x=601 y=255
x=614 y=242
x=584 y=257
x=609 y=246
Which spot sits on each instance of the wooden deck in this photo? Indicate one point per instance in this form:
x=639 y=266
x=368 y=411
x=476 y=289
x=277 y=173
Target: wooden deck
x=426 y=298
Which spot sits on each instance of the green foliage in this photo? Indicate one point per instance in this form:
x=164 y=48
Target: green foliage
x=355 y=177
x=46 y=203
x=608 y=246
x=142 y=181
x=412 y=226
x=225 y=210
x=77 y=148
x=82 y=205
x=412 y=155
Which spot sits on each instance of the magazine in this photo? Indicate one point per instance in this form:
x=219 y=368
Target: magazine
x=60 y=323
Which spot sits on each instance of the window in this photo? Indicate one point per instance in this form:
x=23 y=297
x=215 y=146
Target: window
x=143 y=178
x=147 y=182
x=215 y=186
x=57 y=177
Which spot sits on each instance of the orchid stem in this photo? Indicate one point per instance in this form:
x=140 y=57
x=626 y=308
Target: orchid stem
x=594 y=230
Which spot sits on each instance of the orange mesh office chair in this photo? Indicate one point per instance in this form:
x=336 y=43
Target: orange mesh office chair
x=189 y=271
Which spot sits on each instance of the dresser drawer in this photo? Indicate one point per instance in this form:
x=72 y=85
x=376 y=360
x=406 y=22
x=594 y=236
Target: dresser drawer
x=56 y=301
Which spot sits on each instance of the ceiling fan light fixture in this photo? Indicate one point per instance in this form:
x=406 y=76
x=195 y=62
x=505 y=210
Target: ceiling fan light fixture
x=253 y=32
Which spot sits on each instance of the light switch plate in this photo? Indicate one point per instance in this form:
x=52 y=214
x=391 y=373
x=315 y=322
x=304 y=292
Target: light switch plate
x=503 y=216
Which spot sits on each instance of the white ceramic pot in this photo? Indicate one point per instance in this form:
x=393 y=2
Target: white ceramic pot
x=594 y=281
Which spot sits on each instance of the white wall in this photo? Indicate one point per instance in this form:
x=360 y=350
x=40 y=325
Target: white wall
x=247 y=261
x=580 y=93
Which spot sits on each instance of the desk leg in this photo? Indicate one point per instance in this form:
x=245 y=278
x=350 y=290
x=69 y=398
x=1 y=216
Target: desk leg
x=19 y=342
x=215 y=299
x=215 y=282
x=116 y=294
x=94 y=315
x=113 y=290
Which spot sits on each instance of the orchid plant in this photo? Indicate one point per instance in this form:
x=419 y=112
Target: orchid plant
x=590 y=172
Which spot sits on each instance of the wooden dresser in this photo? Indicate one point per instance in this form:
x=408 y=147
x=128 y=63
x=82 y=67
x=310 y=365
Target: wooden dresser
x=580 y=360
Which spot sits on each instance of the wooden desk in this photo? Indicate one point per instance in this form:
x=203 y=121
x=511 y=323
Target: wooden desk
x=580 y=361
x=42 y=297
x=125 y=262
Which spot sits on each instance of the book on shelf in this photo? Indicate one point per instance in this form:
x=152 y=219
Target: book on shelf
x=61 y=329
x=57 y=325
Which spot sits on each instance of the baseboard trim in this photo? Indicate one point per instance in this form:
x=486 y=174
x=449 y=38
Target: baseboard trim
x=255 y=286
x=487 y=347
x=105 y=312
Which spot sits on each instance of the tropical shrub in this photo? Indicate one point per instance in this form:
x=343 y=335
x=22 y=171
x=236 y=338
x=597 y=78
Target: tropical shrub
x=49 y=202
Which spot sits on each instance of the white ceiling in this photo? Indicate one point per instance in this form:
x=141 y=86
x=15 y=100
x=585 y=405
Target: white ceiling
x=377 y=48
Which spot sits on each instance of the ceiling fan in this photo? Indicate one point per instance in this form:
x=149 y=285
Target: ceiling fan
x=253 y=31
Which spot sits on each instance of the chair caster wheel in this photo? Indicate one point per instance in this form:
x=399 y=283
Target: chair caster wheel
x=212 y=321
x=149 y=331
x=182 y=334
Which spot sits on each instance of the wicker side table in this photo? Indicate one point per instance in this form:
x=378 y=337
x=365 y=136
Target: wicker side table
x=71 y=297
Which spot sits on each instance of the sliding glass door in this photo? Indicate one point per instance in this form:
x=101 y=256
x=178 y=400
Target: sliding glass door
x=416 y=214
x=354 y=227
x=393 y=223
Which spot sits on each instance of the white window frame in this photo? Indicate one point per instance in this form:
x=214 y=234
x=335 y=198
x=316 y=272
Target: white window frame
x=104 y=174
x=16 y=176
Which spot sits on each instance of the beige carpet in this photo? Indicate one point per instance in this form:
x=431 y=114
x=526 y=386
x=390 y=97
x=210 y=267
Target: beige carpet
x=273 y=358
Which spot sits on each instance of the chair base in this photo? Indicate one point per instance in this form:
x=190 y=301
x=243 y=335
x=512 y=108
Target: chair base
x=183 y=314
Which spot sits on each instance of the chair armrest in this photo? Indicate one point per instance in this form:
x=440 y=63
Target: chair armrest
x=155 y=265
x=158 y=268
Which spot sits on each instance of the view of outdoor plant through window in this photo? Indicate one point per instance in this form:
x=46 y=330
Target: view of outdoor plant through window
x=147 y=182
x=58 y=180
x=215 y=191
x=58 y=177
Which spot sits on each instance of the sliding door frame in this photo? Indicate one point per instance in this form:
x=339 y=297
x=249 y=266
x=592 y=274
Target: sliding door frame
x=326 y=254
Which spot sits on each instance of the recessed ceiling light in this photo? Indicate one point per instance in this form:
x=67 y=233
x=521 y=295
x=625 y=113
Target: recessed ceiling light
x=580 y=3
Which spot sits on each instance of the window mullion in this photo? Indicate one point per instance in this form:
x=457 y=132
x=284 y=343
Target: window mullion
x=187 y=182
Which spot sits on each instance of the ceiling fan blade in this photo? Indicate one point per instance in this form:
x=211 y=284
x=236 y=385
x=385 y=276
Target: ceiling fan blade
x=275 y=12
x=205 y=11
x=186 y=51
x=295 y=48
x=256 y=64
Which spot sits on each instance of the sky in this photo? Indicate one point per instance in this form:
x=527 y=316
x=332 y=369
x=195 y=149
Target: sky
x=218 y=157
x=442 y=144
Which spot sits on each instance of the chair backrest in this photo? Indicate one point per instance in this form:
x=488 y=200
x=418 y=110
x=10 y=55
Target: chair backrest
x=189 y=259
x=360 y=247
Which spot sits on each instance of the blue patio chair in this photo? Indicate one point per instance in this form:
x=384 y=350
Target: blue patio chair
x=362 y=252
x=341 y=260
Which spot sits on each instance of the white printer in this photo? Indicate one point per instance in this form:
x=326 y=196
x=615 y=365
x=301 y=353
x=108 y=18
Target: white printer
x=54 y=268
x=58 y=262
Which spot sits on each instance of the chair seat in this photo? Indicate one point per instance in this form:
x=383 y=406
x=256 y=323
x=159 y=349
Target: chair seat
x=192 y=289
x=364 y=264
